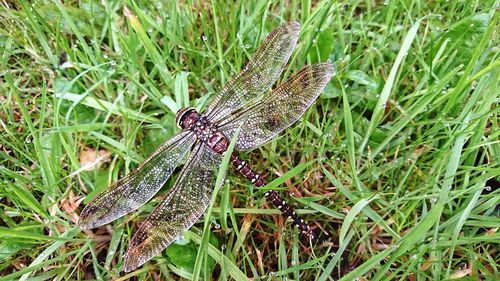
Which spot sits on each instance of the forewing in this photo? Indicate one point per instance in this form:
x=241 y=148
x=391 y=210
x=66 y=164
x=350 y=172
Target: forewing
x=136 y=188
x=259 y=74
x=183 y=205
x=280 y=108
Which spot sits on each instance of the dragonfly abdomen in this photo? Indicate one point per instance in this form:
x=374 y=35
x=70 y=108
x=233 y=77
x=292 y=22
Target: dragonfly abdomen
x=287 y=211
x=245 y=169
x=271 y=195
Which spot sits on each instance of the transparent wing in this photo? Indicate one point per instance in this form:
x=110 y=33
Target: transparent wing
x=183 y=205
x=259 y=74
x=136 y=188
x=280 y=108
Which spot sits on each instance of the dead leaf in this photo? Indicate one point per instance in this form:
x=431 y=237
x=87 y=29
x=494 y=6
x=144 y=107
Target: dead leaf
x=91 y=159
x=461 y=273
x=491 y=231
x=426 y=265
x=70 y=204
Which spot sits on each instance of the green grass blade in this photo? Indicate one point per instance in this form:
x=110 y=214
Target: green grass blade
x=148 y=44
x=379 y=109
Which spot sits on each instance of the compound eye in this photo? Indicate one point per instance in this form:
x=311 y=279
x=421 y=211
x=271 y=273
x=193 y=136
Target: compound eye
x=181 y=115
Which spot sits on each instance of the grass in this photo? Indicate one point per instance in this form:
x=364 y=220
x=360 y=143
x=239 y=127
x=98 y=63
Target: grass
x=398 y=159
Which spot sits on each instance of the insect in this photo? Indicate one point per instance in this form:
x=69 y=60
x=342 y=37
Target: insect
x=244 y=103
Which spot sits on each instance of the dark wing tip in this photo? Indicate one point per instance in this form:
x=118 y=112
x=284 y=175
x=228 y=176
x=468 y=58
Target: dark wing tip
x=293 y=26
x=133 y=259
x=129 y=263
x=88 y=219
x=328 y=67
x=83 y=220
x=137 y=252
x=84 y=225
x=324 y=70
x=289 y=29
x=92 y=217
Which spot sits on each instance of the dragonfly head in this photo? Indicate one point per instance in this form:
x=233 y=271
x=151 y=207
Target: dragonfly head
x=186 y=117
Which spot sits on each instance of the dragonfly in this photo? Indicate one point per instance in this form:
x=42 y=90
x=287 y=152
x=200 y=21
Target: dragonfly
x=246 y=103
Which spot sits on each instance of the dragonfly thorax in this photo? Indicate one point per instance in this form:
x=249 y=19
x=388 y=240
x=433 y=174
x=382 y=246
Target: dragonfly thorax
x=205 y=131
